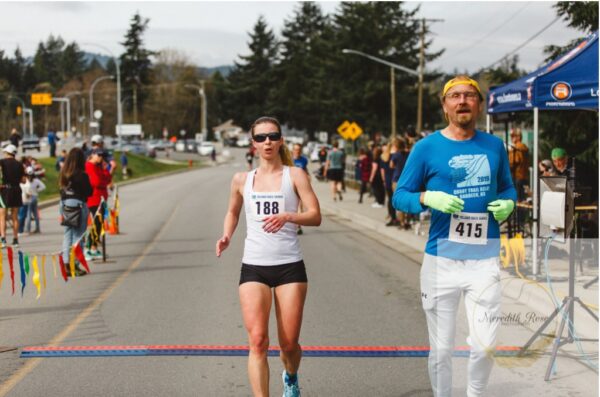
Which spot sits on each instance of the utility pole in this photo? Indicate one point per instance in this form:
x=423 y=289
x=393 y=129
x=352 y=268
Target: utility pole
x=421 y=72
x=393 y=95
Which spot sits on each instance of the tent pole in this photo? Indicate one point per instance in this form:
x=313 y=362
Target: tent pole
x=535 y=185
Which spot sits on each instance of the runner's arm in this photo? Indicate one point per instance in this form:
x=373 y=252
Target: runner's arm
x=232 y=216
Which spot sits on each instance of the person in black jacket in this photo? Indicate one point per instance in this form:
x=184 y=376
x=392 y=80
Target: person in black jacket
x=75 y=188
x=10 y=193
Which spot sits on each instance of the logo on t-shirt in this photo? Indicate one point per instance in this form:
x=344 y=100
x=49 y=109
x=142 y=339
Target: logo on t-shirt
x=470 y=170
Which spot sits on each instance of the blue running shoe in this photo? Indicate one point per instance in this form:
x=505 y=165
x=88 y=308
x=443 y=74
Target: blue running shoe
x=290 y=389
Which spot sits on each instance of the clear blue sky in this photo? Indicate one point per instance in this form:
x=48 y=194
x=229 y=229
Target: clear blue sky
x=474 y=34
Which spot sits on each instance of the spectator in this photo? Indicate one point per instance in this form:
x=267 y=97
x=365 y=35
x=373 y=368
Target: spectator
x=75 y=189
x=334 y=170
x=386 y=174
x=376 y=180
x=60 y=160
x=124 y=164
x=100 y=178
x=12 y=176
x=30 y=189
x=52 y=139
x=546 y=168
x=518 y=157
x=399 y=156
x=15 y=138
x=560 y=161
x=38 y=168
x=364 y=165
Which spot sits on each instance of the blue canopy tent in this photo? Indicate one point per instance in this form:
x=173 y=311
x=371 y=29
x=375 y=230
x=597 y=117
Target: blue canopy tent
x=569 y=82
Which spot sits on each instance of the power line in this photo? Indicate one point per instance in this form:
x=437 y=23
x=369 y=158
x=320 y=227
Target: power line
x=489 y=34
x=522 y=45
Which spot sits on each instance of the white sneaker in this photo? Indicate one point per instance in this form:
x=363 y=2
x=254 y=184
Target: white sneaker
x=376 y=205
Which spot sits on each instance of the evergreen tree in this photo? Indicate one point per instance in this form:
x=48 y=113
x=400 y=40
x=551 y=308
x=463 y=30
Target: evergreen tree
x=300 y=92
x=581 y=15
x=47 y=62
x=252 y=79
x=135 y=61
x=385 y=30
x=72 y=63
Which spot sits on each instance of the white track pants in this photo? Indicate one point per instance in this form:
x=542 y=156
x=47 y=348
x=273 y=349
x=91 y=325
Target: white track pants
x=443 y=281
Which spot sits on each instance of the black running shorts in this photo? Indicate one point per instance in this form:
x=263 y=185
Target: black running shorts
x=274 y=276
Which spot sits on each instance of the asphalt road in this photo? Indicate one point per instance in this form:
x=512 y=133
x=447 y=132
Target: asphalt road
x=163 y=285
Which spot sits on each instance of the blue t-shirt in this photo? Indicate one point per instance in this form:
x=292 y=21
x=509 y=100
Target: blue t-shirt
x=301 y=162
x=476 y=170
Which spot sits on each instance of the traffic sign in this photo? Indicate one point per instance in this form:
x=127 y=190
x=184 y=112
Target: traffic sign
x=41 y=98
x=349 y=130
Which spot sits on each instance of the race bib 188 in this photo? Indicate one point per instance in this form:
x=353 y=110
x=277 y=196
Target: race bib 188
x=469 y=228
x=266 y=204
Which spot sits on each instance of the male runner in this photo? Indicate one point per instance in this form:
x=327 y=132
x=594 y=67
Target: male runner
x=468 y=186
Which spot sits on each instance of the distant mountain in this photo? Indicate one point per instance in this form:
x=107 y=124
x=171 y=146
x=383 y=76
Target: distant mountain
x=223 y=69
x=102 y=59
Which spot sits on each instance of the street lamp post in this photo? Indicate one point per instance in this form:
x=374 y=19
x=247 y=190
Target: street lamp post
x=202 y=94
x=118 y=70
x=68 y=96
x=30 y=112
x=99 y=79
x=418 y=73
x=65 y=100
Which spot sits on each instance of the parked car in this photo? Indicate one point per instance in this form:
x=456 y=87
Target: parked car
x=30 y=142
x=243 y=141
x=186 y=145
x=159 y=145
x=205 y=148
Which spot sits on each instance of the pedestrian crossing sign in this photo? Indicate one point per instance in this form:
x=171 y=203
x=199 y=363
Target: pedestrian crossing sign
x=349 y=130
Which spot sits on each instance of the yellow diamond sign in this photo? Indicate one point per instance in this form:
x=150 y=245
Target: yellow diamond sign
x=349 y=130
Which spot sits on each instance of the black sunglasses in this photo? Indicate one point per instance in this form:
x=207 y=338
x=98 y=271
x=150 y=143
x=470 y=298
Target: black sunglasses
x=273 y=136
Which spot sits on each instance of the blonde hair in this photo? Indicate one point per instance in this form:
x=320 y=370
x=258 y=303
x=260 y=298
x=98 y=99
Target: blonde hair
x=385 y=155
x=284 y=152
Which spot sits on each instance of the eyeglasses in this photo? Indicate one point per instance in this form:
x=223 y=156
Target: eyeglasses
x=273 y=136
x=469 y=95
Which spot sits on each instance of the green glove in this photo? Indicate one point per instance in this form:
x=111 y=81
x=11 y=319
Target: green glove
x=501 y=209
x=444 y=202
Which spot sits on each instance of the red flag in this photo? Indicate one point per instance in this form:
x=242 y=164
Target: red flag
x=9 y=252
x=81 y=257
x=61 y=264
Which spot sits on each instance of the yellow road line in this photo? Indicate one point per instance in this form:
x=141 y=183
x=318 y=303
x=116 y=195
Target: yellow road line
x=31 y=364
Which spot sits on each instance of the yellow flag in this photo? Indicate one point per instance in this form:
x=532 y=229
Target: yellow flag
x=43 y=271
x=72 y=262
x=36 y=277
x=54 y=265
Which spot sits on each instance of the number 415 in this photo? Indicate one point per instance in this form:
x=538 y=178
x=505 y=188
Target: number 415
x=460 y=229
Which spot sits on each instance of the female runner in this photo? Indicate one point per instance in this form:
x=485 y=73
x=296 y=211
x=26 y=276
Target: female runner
x=272 y=259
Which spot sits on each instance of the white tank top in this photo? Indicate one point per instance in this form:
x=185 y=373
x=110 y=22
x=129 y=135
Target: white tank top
x=270 y=249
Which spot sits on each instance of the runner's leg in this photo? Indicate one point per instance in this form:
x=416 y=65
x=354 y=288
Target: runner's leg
x=289 y=306
x=482 y=303
x=255 y=300
x=440 y=295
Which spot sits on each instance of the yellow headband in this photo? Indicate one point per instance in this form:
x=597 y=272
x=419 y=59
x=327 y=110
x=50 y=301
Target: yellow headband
x=454 y=82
